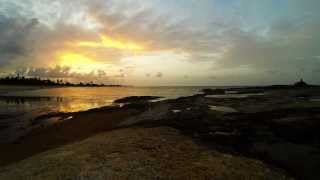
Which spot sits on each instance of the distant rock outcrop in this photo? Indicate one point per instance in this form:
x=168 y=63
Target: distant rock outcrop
x=301 y=83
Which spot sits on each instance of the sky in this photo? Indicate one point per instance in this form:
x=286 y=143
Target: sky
x=162 y=42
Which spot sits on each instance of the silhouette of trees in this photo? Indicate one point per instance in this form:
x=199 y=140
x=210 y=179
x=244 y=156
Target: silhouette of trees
x=36 y=81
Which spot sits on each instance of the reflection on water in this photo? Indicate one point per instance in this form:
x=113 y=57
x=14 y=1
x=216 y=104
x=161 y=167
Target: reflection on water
x=14 y=105
x=17 y=113
x=19 y=108
x=22 y=100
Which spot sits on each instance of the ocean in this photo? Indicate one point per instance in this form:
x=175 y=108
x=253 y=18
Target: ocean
x=19 y=106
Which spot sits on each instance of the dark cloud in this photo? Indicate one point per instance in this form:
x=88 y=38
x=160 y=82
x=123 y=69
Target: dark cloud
x=14 y=34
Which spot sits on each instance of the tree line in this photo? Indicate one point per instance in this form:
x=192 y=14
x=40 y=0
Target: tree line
x=37 y=81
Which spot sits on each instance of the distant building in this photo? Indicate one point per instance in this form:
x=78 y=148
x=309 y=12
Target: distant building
x=301 y=83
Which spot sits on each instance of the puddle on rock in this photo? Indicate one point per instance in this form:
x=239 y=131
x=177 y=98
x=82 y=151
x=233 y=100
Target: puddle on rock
x=315 y=100
x=223 y=109
x=234 y=95
x=176 y=111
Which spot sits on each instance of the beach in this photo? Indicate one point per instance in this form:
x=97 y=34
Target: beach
x=260 y=133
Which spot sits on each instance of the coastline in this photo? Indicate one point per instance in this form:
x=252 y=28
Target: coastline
x=278 y=127
x=82 y=125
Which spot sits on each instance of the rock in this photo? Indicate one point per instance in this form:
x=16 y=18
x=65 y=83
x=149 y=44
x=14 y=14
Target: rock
x=135 y=99
x=214 y=91
x=301 y=83
x=155 y=113
x=303 y=161
x=138 y=153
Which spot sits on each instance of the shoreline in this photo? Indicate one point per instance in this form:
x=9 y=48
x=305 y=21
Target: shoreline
x=278 y=127
x=82 y=125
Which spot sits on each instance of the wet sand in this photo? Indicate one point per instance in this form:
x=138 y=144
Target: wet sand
x=81 y=126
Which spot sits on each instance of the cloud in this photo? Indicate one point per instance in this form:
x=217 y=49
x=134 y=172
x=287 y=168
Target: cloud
x=14 y=38
x=159 y=75
x=59 y=72
x=246 y=39
x=290 y=47
x=167 y=34
x=38 y=42
x=41 y=38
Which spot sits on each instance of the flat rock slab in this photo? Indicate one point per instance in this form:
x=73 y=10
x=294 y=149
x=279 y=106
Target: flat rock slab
x=138 y=153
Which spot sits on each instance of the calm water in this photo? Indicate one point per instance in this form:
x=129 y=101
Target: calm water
x=20 y=106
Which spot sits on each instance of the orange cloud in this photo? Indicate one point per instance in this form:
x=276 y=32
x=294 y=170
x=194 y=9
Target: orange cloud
x=109 y=42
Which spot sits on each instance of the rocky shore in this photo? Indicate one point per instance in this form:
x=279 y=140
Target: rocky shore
x=239 y=133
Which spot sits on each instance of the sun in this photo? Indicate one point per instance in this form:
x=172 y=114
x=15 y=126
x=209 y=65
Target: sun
x=78 y=62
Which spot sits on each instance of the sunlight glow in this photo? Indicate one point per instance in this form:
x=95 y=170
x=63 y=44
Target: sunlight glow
x=108 y=42
x=78 y=62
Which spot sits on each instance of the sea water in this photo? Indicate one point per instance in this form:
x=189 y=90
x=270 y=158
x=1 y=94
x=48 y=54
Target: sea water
x=19 y=106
